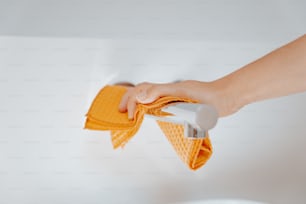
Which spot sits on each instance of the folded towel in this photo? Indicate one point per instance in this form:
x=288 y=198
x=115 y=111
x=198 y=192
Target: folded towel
x=104 y=115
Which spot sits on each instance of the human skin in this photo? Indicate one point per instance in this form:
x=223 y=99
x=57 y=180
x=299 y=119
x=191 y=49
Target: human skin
x=280 y=73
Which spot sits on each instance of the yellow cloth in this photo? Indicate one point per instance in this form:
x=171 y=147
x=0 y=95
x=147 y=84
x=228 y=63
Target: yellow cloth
x=104 y=115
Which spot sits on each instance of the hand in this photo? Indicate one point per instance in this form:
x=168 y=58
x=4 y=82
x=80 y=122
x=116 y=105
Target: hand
x=204 y=92
x=279 y=73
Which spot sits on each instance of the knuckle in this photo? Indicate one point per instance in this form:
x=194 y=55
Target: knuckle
x=153 y=89
x=144 y=84
x=130 y=105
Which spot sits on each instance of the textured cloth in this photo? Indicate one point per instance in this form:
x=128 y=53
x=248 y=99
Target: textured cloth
x=104 y=115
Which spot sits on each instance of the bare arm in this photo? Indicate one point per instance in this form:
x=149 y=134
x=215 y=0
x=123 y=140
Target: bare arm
x=279 y=73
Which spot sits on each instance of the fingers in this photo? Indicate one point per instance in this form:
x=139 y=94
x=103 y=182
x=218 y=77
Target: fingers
x=146 y=93
x=131 y=106
x=128 y=102
x=123 y=102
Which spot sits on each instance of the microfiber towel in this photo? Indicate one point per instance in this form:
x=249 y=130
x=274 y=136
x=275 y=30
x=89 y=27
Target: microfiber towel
x=104 y=115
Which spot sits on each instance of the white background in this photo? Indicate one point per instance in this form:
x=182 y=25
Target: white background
x=56 y=55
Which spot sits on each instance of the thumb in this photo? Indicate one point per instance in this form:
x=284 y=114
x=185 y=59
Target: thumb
x=149 y=95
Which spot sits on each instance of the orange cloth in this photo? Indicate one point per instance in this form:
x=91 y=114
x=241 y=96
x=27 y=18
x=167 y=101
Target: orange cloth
x=104 y=115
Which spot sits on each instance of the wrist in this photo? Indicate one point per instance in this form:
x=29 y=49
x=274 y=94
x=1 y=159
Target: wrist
x=220 y=93
x=228 y=98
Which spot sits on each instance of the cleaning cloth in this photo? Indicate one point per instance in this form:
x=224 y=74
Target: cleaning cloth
x=104 y=115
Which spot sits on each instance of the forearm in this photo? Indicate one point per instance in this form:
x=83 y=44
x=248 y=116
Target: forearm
x=279 y=73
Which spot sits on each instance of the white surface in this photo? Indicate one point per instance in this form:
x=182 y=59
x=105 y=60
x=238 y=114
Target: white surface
x=219 y=20
x=47 y=85
x=222 y=201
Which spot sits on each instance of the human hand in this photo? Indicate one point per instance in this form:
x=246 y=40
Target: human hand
x=210 y=93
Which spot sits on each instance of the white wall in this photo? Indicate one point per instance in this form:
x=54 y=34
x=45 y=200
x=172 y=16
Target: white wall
x=55 y=56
